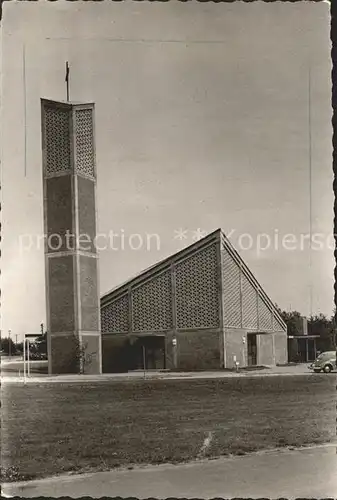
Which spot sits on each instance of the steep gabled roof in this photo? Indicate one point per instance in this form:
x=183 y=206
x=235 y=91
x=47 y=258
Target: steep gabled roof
x=216 y=236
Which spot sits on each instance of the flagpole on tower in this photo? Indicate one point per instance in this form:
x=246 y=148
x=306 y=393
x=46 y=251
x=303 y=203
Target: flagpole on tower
x=310 y=193
x=67 y=80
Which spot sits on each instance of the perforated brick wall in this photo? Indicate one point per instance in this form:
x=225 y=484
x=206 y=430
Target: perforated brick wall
x=278 y=327
x=152 y=304
x=85 y=155
x=249 y=303
x=231 y=291
x=265 y=316
x=197 y=290
x=57 y=140
x=115 y=316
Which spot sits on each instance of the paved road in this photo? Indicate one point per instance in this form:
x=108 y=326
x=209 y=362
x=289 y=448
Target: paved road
x=306 y=473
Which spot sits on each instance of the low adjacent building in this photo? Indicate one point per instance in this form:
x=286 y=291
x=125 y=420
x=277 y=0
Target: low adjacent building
x=302 y=347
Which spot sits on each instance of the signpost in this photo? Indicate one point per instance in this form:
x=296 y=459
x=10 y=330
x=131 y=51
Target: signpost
x=243 y=350
x=9 y=344
x=236 y=363
x=144 y=360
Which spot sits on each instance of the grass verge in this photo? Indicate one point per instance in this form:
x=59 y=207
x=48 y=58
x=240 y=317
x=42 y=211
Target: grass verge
x=50 y=429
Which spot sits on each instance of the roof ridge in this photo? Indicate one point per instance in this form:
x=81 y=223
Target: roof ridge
x=199 y=243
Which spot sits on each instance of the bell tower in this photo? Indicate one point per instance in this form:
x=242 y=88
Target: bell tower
x=71 y=260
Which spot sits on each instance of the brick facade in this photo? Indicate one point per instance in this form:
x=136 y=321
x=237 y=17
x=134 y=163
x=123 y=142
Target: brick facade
x=91 y=353
x=65 y=354
x=198 y=350
x=88 y=294
x=61 y=294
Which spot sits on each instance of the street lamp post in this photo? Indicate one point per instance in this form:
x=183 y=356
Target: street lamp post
x=28 y=365
x=9 y=344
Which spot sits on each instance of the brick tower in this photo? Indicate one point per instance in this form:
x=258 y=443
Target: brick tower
x=69 y=187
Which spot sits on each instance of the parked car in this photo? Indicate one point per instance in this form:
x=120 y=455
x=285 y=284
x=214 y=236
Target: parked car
x=37 y=356
x=325 y=362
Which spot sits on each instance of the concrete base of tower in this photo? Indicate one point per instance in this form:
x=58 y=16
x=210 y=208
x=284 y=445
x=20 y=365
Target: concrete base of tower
x=74 y=353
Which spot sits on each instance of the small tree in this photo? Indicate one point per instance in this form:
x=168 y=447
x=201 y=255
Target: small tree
x=19 y=348
x=41 y=344
x=323 y=326
x=83 y=359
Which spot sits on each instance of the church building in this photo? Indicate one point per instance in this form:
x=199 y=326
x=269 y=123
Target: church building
x=200 y=309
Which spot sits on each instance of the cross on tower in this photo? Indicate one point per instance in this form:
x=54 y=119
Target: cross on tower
x=67 y=80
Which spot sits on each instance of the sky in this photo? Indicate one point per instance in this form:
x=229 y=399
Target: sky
x=202 y=121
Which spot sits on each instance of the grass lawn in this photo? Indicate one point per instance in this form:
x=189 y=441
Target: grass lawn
x=49 y=429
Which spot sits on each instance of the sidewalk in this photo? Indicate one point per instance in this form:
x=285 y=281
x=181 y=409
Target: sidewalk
x=306 y=473
x=301 y=369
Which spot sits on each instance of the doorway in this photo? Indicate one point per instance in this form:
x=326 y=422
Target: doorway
x=306 y=349
x=252 y=349
x=149 y=351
